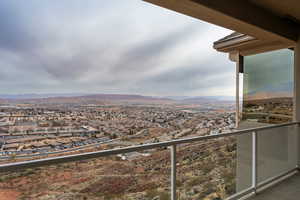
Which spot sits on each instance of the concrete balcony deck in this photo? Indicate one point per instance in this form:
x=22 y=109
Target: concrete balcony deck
x=289 y=189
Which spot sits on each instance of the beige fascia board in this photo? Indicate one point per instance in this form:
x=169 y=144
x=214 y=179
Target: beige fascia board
x=254 y=47
x=263 y=47
x=234 y=43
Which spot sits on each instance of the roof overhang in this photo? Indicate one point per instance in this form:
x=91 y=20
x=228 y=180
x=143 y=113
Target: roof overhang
x=247 y=45
x=259 y=19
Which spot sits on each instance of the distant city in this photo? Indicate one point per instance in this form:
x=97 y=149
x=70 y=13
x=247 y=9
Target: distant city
x=31 y=126
x=42 y=126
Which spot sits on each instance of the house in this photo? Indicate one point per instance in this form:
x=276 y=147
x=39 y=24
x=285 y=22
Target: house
x=265 y=46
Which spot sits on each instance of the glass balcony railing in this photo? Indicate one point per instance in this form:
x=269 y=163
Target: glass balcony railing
x=206 y=167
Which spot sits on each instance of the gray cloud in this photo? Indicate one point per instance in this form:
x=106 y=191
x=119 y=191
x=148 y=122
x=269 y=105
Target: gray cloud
x=148 y=54
x=193 y=78
x=14 y=31
x=108 y=46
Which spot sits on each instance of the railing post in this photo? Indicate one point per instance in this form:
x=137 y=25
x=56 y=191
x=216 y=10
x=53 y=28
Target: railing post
x=173 y=172
x=297 y=127
x=254 y=161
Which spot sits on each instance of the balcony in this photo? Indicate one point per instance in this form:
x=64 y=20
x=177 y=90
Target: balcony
x=256 y=173
x=286 y=190
x=255 y=163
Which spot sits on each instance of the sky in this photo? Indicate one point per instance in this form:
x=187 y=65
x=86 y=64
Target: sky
x=115 y=46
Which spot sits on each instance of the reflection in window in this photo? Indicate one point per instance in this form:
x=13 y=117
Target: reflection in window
x=268 y=88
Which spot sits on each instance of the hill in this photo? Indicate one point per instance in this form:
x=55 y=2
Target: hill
x=89 y=99
x=70 y=98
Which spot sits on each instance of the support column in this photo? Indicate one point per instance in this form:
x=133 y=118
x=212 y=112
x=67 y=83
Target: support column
x=297 y=93
x=235 y=57
x=237 y=94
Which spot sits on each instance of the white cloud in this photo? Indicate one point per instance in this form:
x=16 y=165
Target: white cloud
x=109 y=46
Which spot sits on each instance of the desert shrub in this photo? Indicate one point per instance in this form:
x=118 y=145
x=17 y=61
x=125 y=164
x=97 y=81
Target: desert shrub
x=208 y=166
x=179 y=183
x=10 y=176
x=196 y=181
x=208 y=189
x=231 y=147
x=230 y=183
x=150 y=194
x=164 y=196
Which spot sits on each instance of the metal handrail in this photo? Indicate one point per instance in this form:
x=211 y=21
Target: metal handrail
x=110 y=152
x=84 y=156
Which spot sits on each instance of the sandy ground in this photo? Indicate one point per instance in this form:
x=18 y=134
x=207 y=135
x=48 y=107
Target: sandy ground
x=8 y=194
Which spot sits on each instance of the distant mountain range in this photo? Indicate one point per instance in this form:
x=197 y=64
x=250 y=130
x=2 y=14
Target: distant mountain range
x=209 y=98
x=39 y=96
x=107 y=98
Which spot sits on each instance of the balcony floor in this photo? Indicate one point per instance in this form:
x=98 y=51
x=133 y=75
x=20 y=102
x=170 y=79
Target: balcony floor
x=286 y=190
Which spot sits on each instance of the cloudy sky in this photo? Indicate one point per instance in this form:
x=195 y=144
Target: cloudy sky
x=115 y=46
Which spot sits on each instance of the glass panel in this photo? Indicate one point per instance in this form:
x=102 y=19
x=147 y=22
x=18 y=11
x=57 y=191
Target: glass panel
x=276 y=151
x=267 y=99
x=268 y=88
x=244 y=162
x=207 y=170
